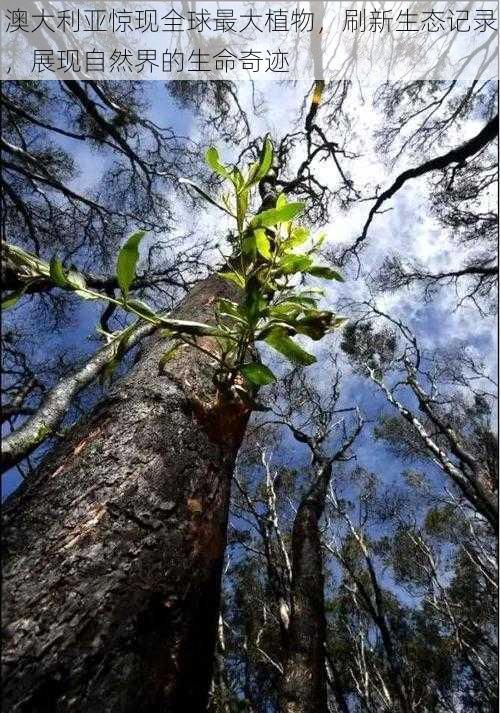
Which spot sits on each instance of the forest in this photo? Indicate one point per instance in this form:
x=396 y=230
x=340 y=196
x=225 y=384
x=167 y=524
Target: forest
x=249 y=396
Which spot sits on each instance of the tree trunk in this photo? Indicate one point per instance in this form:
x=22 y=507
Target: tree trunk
x=113 y=552
x=303 y=688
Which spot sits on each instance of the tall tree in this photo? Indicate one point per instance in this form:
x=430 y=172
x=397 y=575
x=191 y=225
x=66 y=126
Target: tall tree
x=304 y=686
x=131 y=512
x=142 y=483
x=291 y=549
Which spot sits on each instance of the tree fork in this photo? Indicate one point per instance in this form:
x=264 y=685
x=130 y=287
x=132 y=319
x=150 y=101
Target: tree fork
x=113 y=551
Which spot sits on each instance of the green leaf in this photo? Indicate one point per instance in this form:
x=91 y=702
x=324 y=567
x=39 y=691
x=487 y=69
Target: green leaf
x=141 y=307
x=230 y=309
x=120 y=350
x=124 y=340
x=294 y=263
x=262 y=243
x=278 y=339
x=325 y=272
x=127 y=261
x=237 y=179
x=57 y=274
x=241 y=207
x=204 y=195
x=297 y=238
x=319 y=241
x=184 y=326
x=251 y=173
x=281 y=201
x=285 y=309
x=76 y=280
x=213 y=160
x=72 y=279
x=168 y=356
x=314 y=332
x=266 y=160
x=258 y=374
x=261 y=168
x=227 y=306
x=302 y=300
x=315 y=323
x=273 y=216
x=249 y=245
x=233 y=277
x=282 y=323
x=255 y=302
x=87 y=295
x=12 y=299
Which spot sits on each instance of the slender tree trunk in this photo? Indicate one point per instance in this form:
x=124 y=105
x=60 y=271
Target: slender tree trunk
x=113 y=552
x=303 y=688
x=220 y=696
x=336 y=685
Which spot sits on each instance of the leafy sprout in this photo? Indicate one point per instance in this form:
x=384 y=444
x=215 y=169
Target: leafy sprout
x=272 y=253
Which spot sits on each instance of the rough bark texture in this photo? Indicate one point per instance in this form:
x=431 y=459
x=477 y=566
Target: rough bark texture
x=304 y=678
x=113 y=551
x=24 y=440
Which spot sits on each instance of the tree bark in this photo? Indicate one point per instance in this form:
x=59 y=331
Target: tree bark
x=303 y=688
x=19 y=444
x=113 y=551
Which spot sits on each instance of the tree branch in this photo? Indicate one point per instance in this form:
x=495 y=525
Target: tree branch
x=20 y=443
x=458 y=155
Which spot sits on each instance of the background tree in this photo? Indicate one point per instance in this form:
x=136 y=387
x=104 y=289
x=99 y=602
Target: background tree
x=456 y=439
x=420 y=118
